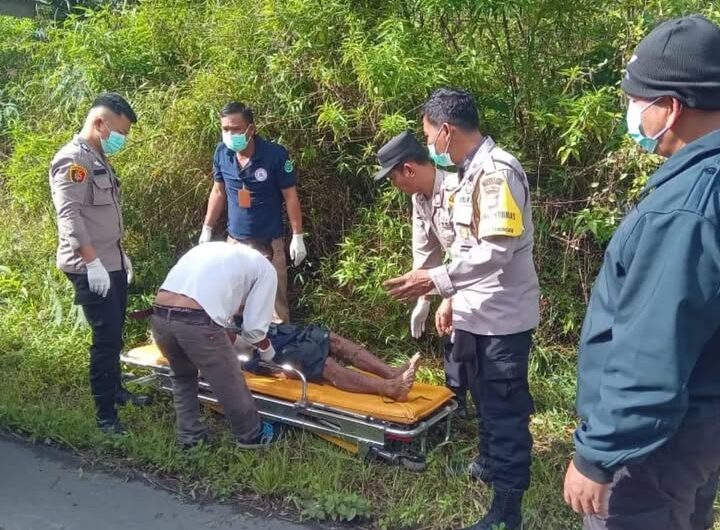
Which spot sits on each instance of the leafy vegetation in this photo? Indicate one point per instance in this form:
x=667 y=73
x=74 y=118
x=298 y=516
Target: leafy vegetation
x=330 y=80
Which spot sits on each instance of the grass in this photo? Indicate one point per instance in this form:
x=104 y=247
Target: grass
x=45 y=395
x=52 y=402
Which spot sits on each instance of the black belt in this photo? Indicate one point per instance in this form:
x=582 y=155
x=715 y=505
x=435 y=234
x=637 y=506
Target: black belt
x=183 y=314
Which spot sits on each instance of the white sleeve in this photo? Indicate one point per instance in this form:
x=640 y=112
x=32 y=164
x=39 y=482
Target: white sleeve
x=259 y=304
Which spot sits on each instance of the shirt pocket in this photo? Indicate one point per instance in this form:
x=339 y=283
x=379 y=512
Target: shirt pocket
x=102 y=190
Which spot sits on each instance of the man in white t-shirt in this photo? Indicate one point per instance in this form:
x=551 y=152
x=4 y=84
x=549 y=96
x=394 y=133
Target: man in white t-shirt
x=195 y=304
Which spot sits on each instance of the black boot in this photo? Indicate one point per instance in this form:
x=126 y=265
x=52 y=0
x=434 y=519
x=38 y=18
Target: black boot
x=124 y=396
x=111 y=427
x=461 y=399
x=479 y=470
x=506 y=510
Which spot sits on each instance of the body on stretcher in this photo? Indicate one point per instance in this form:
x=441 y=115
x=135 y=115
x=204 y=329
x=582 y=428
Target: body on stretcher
x=368 y=425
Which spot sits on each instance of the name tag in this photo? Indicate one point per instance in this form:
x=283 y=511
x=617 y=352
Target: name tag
x=244 y=198
x=463 y=209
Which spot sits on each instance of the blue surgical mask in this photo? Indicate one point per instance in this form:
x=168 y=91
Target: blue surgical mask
x=113 y=143
x=634 y=125
x=440 y=159
x=234 y=141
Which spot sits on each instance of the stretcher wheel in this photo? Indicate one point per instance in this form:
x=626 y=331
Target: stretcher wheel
x=415 y=463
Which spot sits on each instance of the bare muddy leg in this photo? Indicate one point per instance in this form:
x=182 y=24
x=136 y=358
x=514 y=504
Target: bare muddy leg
x=355 y=355
x=343 y=378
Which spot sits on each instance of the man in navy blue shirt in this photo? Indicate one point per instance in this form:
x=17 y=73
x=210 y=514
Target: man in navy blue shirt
x=647 y=451
x=255 y=177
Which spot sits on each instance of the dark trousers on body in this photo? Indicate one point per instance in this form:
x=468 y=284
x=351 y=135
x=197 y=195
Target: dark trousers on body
x=106 y=317
x=672 y=489
x=498 y=378
x=457 y=380
x=191 y=342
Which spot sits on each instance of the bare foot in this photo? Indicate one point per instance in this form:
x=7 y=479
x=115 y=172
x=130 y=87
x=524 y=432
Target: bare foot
x=398 y=388
x=414 y=360
x=409 y=374
x=397 y=371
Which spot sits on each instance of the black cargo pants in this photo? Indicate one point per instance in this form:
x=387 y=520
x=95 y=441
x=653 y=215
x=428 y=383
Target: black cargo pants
x=498 y=371
x=456 y=379
x=106 y=317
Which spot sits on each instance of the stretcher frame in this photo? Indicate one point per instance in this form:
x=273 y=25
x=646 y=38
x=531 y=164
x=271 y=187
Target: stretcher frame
x=367 y=436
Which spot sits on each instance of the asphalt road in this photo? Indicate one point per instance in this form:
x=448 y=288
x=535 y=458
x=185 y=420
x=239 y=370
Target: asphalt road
x=43 y=488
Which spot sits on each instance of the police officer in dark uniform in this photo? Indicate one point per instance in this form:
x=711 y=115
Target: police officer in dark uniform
x=647 y=452
x=86 y=195
x=255 y=177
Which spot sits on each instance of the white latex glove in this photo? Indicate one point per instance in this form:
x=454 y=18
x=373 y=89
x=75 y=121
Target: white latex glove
x=98 y=278
x=243 y=346
x=267 y=354
x=128 y=268
x=419 y=317
x=297 y=249
x=205 y=234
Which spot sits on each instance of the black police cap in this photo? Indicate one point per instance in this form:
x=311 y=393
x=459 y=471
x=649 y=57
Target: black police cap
x=398 y=149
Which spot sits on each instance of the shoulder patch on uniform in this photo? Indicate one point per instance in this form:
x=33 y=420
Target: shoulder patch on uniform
x=77 y=173
x=289 y=166
x=500 y=214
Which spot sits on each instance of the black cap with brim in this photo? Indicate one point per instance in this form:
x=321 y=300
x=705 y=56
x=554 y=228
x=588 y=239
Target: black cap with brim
x=383 y=172
x=679 y=58
x=398 y=149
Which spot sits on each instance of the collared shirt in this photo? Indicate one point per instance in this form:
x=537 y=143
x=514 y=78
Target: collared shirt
x=649 y=346
x=86 y=196
x=490 y=277
x=222 y=277
x=269 y=171
x=432 y=228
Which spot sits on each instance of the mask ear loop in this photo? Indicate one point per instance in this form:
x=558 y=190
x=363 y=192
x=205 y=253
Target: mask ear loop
x=102 y=120
x=447 y=144
x=664 y=129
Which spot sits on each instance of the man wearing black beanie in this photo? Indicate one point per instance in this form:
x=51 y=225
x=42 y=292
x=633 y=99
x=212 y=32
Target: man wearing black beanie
x=647 y=451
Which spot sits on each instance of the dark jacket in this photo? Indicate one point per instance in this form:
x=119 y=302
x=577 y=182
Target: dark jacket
x=650 y=344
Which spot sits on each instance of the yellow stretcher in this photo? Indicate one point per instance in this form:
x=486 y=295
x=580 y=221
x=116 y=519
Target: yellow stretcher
x=369 y=425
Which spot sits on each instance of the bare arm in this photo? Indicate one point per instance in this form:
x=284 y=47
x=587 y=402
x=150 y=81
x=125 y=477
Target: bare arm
x=216 y=203
x=292 y=201
x=87 y=253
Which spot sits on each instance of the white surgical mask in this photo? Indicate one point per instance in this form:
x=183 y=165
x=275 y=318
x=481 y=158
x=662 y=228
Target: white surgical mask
x=634 y=125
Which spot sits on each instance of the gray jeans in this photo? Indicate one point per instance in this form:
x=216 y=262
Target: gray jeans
x=191 y=347
x=672 y=489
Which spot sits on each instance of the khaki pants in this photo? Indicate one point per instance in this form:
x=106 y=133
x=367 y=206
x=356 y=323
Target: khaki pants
x=282 y=309
x=190 y=347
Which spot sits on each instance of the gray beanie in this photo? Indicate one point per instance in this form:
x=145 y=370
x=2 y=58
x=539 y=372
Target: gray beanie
x=679 y=58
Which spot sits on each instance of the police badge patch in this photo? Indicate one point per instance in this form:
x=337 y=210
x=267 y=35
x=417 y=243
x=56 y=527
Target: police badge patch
x=77 y=173
x=260 y=174
x=289 y=166
x=500 y=215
